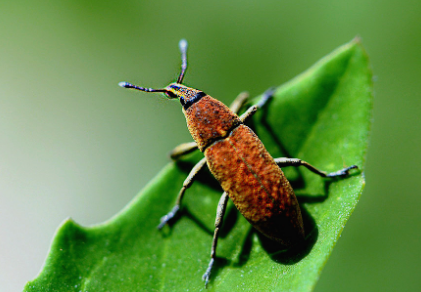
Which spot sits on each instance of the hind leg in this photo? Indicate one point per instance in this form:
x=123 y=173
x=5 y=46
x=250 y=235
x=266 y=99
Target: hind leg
x=220 y=211
x=283 y=161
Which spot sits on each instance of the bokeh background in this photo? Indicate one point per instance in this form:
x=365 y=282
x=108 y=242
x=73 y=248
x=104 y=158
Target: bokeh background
x=74 y=144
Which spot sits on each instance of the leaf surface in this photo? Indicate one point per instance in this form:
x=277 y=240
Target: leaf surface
x=322 y=116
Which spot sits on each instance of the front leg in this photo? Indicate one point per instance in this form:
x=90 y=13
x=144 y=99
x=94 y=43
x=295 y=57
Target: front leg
x=239 y=102
x=183 y=149
x=253 y=109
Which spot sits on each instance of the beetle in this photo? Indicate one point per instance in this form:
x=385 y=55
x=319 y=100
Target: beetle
x=236 y=157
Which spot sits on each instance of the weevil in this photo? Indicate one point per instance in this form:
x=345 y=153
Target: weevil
x=236 y=157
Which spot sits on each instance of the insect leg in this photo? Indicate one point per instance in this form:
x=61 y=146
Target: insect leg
x=183 y=149
x=267 y=95
x=252 y=110
x=249 y=113
x=239 y=101
x=283 y=161
x=220 y=211
x=187 y=183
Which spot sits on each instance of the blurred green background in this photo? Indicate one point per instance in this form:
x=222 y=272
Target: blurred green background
x=73 y=143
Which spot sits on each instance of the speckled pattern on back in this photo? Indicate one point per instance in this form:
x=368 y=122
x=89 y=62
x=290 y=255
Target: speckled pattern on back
x=208 y=120
x=256 y=185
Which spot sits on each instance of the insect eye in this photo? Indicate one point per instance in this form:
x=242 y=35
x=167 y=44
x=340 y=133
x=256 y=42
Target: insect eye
x=170 y=94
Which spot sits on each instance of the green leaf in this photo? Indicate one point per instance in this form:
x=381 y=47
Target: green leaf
x=322 y=116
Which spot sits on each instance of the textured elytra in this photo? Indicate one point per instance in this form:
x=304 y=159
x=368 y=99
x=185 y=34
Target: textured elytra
x=256 y=185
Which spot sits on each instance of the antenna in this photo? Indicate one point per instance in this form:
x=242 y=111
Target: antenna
x=129 y=85
x=183 y=49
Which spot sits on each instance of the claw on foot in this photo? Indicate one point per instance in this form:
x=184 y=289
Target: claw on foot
x=268 y=94
x=342 y=172
x=165 y=219
x=207 y=274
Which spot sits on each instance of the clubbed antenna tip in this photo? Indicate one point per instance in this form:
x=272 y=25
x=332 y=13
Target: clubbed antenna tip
x=183 y=49
x=129 y=85
x=123 y=84
x=182 y=45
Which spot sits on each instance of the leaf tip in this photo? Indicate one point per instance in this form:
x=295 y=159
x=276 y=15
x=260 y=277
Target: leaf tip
x=357 y=39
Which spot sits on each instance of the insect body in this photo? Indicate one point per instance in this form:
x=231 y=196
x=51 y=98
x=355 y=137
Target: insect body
x=248 y=174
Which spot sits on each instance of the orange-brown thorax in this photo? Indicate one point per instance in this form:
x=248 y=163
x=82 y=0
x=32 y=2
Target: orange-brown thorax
x=209 y=120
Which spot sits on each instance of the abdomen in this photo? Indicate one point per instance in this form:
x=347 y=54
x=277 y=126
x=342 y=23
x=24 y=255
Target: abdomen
x=256 y=185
